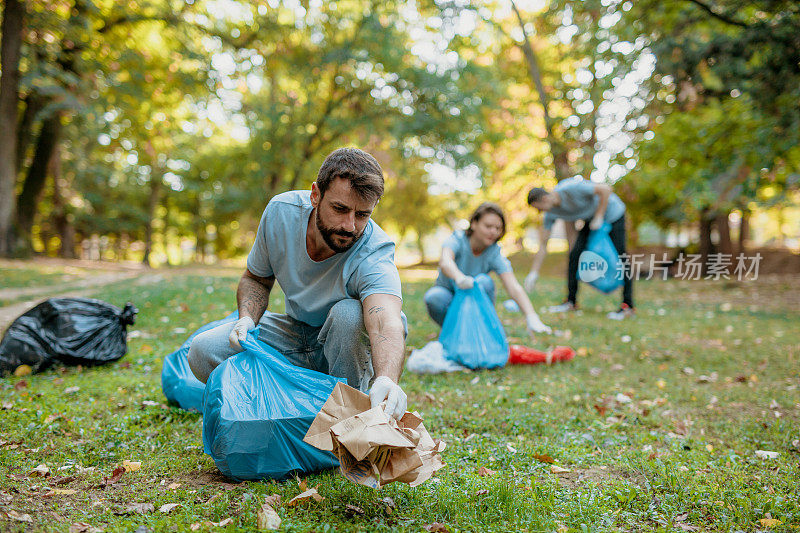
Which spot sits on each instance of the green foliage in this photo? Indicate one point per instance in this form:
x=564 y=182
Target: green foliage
x=720 y=128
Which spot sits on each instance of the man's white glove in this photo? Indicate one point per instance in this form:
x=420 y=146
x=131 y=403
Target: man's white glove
x=385 y=389
x=239 y=332
x=530 y=281
x=464 y=282
x=596 y=223
x=535 y=324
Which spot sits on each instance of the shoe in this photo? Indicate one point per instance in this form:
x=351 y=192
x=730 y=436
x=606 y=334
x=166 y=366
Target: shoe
x=566 y=307
x=624 y=311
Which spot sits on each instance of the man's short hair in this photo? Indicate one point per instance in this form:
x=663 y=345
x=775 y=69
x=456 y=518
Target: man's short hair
x=358 y=167
x=536 y=194
x=487 y=207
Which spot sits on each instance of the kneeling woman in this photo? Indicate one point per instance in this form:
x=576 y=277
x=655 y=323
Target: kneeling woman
x=468 y=257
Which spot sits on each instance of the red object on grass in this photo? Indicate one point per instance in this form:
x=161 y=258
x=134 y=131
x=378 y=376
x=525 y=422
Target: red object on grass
x=522 y=355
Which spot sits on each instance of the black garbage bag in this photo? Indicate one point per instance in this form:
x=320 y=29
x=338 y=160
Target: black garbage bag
x=71 y=331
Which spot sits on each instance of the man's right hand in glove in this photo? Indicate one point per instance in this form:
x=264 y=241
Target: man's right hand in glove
x=464 y=282
x=239 y=332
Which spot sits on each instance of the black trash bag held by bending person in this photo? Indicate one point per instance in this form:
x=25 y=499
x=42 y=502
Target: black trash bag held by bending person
x=71 y=331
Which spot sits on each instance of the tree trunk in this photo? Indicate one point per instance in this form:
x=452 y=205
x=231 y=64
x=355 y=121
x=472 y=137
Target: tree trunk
x=706 y=246
x=724 y=230
x=152 y=203
x=420 y=248
x=744 y=232
x=28 y=200
x=61 y=218
x=33 y=104
x=12 y=27
x=557 y=149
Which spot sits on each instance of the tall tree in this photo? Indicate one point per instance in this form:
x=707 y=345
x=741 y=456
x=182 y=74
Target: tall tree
x=10 y=50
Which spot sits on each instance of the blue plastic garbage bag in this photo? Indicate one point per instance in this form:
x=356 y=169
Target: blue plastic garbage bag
x=177 y=380
x=472 y=334
x=257 y=408
x=599 y=263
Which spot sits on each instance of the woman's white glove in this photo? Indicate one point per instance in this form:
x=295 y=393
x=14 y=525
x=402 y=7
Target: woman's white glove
x=535 y=324
x=385 y=389
x=530 y=281
x=465 y=282
x=596 y=223
x=239 y=332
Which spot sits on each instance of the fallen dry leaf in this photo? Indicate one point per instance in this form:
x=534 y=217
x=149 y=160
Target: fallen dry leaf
x=764 y=454
x=173 y=486
x=115 y=475
x=302 y=484
x=482 y=492
x=436 y=527
x=389 y=502
x=22 y=370
x=64 y=492
x=510 y=448
x=209 y=523
x=769 y=522
x=19 y=517
x=137 y=508
x=71 y=390
x=41 y=470
x=273 y=500
x=483 y=472
x=681 y=517
x=21 y=384
x=543 y=458
x=310 y=494
x=83 y=527
x=354 y=509
x=688 y=527
x=555 y=469
x=168 y=507
x=267 y=518
x=131 y=466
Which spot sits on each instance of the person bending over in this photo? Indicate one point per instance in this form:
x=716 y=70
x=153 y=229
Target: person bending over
x=468 y=257
x=594 y=204
x=336 y=268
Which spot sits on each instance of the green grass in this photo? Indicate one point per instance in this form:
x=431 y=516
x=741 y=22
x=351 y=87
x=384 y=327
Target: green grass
x=679 y=455
x=18 y=274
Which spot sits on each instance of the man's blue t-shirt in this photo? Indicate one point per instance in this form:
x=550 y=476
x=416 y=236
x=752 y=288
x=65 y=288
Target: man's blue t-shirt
x=313 y=287
x=579 y=202
x=491 y=259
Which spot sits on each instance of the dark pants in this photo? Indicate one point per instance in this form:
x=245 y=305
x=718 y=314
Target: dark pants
x=617 y=235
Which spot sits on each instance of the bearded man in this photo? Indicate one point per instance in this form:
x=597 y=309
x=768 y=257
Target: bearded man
x=336 y=268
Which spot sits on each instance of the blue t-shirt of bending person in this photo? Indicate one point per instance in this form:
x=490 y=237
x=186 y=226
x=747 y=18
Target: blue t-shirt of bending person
x=491 y=259
x=579 y=202
x=313 y=287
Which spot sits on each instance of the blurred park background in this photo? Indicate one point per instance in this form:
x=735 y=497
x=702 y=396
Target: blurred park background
x=155 y=131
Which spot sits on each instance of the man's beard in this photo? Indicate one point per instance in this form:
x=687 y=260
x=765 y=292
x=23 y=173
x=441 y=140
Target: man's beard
x=328 y=233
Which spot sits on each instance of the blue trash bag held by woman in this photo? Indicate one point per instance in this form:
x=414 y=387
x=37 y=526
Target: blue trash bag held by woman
x=257 y=408
x=177 y=380
x=472 y=334
x=599 y=263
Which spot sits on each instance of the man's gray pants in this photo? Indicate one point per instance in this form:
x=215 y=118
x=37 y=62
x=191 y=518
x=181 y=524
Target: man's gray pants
x=340 y=347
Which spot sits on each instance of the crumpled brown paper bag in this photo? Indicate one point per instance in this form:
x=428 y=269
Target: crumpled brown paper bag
x=373 y=448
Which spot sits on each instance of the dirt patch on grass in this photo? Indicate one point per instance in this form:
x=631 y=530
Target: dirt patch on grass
x=595 y=475
x=205 y=478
